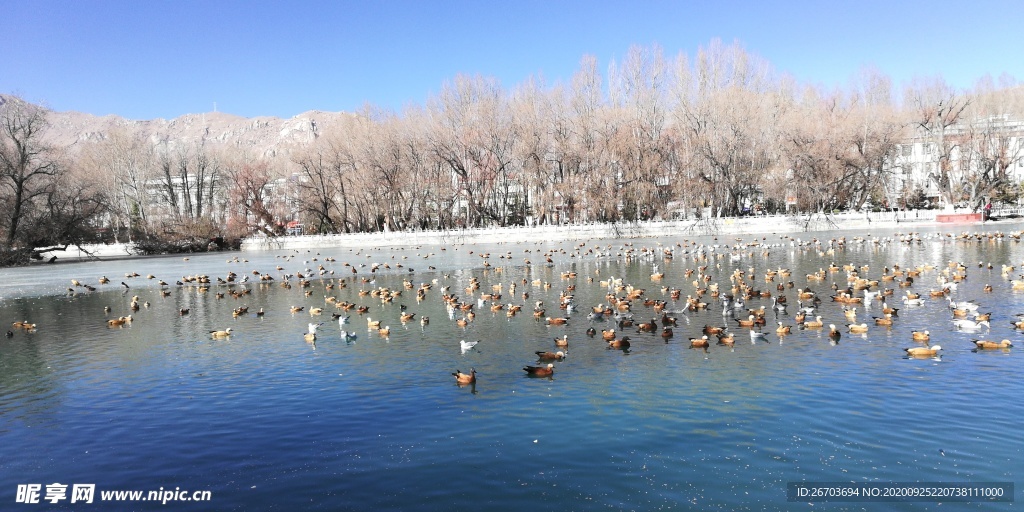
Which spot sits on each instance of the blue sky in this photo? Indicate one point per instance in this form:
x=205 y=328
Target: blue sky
x=148 y=59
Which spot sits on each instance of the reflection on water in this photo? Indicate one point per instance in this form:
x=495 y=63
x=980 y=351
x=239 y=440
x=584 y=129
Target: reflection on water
x=263 y=416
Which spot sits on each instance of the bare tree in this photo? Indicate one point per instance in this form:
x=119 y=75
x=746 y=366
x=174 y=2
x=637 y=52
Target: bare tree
x=639 y=90
x=462 y=143
x=45 y=203
x=126 y=161
x=725 y=101
x=248 y=197
x=28 y=166
x=936 y=109
x=990 y=141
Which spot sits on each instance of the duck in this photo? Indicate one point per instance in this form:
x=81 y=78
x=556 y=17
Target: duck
x=833 y=333
x=297 y=309
x=713 y=330
x=726 y=339
x=563 y=341
x=591 y=332
x=814 y=324
x=557 y=321
x=24 y=324
x=858 y=328
x=465 y=378
x=923 y=351
x=384 y=331
x=619 y=343
x=117 y=322
x=647 y=326
x=782 y=330
x=749 y=322
x=221 y=334
x=886 y=310
x=920 y=335
x=884 y=320
x=987 y=344
x=540 y=371
x=550 y=356
x=701 y=342
x=372 y=324
x=666 y=332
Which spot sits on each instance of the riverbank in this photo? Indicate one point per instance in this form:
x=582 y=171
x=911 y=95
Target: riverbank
x=772 y=224
x=91 y=251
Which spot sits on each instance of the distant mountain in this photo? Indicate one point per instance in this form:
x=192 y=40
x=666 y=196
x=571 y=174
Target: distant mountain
x=265 y=137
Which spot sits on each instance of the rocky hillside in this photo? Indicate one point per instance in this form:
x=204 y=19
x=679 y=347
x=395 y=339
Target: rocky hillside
x=266 y=137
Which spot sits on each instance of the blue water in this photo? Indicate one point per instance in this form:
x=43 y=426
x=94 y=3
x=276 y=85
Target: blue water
x=265 y=420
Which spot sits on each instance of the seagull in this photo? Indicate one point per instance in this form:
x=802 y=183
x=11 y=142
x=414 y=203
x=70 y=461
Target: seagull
x=313 y=327
x=968 y=305
x=467 y=345
x=342 y=320
x=348 y=335
x=913 y=302
x=755 y=336
x=970 y=325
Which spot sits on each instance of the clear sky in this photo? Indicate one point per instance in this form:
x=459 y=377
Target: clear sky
x=144 y=59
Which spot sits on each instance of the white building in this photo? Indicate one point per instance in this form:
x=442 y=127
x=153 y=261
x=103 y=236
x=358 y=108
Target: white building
x=977 y=154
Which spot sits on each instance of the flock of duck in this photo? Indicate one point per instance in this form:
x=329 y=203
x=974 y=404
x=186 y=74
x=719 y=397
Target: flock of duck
x=718 y=277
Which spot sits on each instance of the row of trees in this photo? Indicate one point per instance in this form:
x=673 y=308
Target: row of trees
x=653 y=137
x=650 y=137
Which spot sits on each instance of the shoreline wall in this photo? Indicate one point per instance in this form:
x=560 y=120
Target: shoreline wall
x=708 y=226
x=771 y=224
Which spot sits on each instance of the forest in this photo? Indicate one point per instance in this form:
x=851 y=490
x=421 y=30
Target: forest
x=651 y=137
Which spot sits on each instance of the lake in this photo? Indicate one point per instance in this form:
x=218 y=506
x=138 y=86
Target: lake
x=263 y=419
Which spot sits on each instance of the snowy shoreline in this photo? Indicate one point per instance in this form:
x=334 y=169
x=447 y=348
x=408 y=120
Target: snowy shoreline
x=558 y=233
